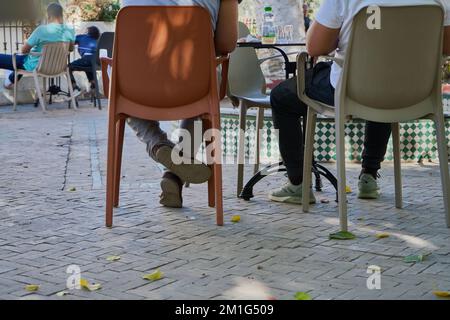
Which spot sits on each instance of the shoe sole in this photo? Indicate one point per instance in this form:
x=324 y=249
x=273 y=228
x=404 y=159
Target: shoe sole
x=291 y=200
x=191 y=173
x=171 y=196
x=373 y=195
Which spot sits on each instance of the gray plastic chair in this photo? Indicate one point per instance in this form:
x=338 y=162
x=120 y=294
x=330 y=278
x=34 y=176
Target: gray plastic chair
x=247 y=88
x=383 y=84
x=52 y=63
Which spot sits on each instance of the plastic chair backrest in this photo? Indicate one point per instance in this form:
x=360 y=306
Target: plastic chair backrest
x=396 y=68
x=105 y=42
x=53 y=60
x=164 y=56
x=245 y=74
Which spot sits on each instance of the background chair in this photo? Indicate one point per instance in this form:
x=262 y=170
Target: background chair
x=247 y=89
x=379 y=84
x=105 y=42
x=52 y=63
x=164 y=68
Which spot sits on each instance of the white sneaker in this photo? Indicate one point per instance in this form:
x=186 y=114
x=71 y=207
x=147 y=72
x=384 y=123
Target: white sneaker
x=8 y=84
x=76 y=93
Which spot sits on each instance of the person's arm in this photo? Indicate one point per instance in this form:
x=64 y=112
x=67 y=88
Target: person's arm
x=321 y=40
x=447 y=41
x=227 y=27
x=32 y=41
x=26 y=48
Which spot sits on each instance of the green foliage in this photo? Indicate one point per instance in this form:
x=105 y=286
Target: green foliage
x=109 y=12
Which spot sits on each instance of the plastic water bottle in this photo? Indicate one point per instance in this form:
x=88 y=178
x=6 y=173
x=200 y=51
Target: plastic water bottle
x=269 y=30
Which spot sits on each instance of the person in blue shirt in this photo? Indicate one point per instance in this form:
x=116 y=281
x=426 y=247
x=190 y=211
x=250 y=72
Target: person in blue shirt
x=54 y=31
x=87 y=46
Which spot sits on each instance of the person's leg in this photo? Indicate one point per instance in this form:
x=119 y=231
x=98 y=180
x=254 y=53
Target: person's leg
x=76 y=65
x=172 y=184
x=6 y=63
x=287 y=111
x=375 y=145
x=150 y=133
x=159 y=148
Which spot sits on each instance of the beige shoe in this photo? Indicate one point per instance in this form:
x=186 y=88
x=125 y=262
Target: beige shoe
x=172 y=188
x=192 y=173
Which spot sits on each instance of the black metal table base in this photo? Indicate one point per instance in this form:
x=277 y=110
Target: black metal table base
x=55 y=90
x=318 y=171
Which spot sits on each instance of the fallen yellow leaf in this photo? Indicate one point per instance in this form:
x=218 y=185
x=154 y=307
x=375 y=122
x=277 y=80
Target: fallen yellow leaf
x=442 y=294
x=302 y=296
x=32 y=287
x=348 y=189
x=62 y=293
x=113 y=258
x=154 y=276
x=90 y=287
x=235 y=219
x=382 y=235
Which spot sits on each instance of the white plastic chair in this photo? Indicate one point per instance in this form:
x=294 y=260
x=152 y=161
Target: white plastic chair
x=52 y=63
x=381 y=83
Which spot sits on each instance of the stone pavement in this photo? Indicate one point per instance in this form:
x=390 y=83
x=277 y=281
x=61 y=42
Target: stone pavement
x=275 y=251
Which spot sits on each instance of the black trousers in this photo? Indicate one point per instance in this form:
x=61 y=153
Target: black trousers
x=82 y=64
x=288 y=110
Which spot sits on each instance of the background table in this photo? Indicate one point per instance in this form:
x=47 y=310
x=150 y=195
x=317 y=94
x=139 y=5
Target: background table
x=290 y=67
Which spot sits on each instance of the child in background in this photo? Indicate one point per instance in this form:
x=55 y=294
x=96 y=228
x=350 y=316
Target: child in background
x=87 y=46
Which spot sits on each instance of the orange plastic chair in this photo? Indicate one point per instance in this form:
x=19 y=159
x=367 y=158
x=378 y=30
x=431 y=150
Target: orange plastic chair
x=163 y=68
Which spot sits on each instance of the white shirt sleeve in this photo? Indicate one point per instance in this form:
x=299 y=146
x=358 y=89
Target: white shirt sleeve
x=330 y=14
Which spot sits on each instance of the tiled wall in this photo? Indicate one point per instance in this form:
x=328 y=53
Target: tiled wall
x=418 y=140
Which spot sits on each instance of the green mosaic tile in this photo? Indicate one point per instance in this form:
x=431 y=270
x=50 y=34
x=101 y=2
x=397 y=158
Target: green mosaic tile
x=417 y=138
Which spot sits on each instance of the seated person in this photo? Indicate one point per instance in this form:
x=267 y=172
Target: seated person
x=224 y=15
x=54 y=31
x=87 y=47
x=331 y=31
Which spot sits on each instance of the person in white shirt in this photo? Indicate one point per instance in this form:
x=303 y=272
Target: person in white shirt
x=224 y=18
x=331 y=32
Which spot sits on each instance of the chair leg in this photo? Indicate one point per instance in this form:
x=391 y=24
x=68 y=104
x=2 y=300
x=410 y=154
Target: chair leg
x=308 y=157
x=112 y=131
x=16 y=78
x=218 y=171
x=118 y=160
x=69 y=85
x=39 y=92
x=97 y=91
x=259 y=127
x=211 y=182
x=397 y=166
x=443 y=162
x=241 y=147
x=340 y=153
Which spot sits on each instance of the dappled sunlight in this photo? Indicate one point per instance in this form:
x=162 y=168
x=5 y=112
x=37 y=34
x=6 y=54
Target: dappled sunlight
x=180 y=61
x=416 y=242
x=412 y=241
x=333 y=221
x=157 y=44
x=245 y=289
